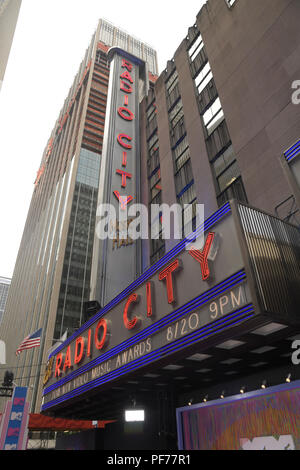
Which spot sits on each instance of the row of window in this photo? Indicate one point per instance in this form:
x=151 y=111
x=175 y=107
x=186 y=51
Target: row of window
x=157 y=246
x=183 y=173
x=224 y=165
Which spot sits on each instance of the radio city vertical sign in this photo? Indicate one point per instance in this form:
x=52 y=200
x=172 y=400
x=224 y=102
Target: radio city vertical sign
x=119 y=256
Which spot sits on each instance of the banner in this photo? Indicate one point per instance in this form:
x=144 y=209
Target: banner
x=14 y=423
x=262 y=420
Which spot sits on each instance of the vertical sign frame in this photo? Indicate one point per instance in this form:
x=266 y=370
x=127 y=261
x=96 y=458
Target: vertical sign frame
x=118 y=258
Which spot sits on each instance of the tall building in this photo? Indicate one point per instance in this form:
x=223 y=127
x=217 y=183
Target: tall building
x=9 y=12
x=51 y=281
x=219 y=128
x=4 y=288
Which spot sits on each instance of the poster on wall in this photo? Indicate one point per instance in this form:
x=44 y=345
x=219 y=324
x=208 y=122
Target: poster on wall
x=262 y=420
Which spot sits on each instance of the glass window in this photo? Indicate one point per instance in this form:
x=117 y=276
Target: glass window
x=228 y=176
x=196 y=47
x=213 y=115
x=176 y=113
x=203 y=78
x=224 y=160
x=188 y=195
x=183 y=177
x=230 y=3
x=172 y=82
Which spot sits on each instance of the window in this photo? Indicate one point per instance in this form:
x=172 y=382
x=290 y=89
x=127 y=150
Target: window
x=122 y=39
x=151 y=112
x=176 y=113
x=182 y=159
x=230 y=3
x=196 y=47
x=228 y=176
x=203 y=78
x=224 y=160
x=183 y=177
x=172 y=82
x=155 y=185
x=213 y=115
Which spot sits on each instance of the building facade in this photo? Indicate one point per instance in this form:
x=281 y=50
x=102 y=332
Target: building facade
x=218 y=128
x=9 y=12
x=52 y=278
x=218 y=125
x=4 y=288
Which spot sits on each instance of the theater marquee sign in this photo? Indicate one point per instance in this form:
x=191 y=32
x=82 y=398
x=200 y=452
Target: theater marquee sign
x=180 y=301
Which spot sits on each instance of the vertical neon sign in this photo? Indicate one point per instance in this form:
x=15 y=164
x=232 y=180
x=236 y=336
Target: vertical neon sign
x=119 y=258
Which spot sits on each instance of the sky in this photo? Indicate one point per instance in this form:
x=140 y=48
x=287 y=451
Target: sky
x=50 y=41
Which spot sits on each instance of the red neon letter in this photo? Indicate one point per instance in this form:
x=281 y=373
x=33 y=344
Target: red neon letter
x=167 y=274
x=124 y=175
x=89 y=344
x=68 y=363
x=126 y=76
x=126 y=87
x=124 y=160
x=121 y=138
x=126 y=65
x=149 y=299
x=59 y=359
x=130 y=324
x=126 y=114
x=123 y=200
x=201 y=256
x=79 y=355
x=101 y=324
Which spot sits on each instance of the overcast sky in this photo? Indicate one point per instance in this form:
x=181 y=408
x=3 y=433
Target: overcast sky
x=49 y=43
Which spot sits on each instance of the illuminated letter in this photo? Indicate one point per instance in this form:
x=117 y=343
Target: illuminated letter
x=101 y=324
x=121 y=138
x=128 y=117
x=126 y=65
x=202 y=256
x=124 y=175
x=130 y=324
x=89 y=344
x=126 y=87
x=167 y=274
x=124 y=159
x=126 y=75
x=123 y=200
x=59 y=359
x=78 y=356
x=149 y=299
x=68 y=363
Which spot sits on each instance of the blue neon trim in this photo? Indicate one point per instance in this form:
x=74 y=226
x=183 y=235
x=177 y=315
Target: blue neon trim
x=164 y=322
x=291 y=149
x=230 y=320
x=208 y=223
x=160 y=353
x=234 y=280
x=292 y=152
